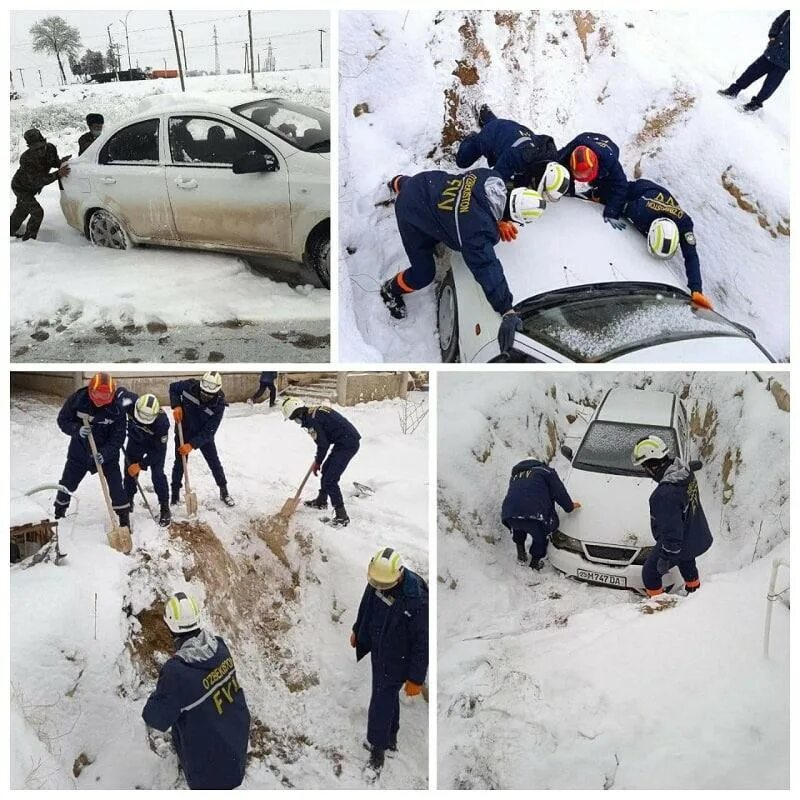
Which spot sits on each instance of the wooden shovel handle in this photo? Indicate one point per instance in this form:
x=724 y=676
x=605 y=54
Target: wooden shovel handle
x=302 y=485
x=103 y=484
x=185 y=460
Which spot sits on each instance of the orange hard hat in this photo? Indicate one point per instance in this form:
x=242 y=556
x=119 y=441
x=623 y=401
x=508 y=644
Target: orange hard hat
x=584 y=164
x=102 y=389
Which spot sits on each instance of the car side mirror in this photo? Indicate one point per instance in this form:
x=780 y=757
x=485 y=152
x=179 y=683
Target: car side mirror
x=566 y=452
x=695 y=466
x=255 y=162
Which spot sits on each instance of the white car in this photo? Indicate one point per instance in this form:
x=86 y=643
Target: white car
x=251 y=179
x=579 y=305
x=608 y=540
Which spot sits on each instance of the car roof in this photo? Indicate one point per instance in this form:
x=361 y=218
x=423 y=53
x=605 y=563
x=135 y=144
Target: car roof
x=156 y=105
x=637 y=407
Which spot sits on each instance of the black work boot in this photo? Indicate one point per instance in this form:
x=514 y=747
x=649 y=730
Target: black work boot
x=521 y=554
x=166 y=515
x=124 y=518
x=175 y=497
x=751 y=106
x=536 y=563
x=729 y=92
x=393 y=300
x=320 y=502
x=340 y=518
x=225 y=497
x=28 y=236
x=60 y=511
x=376 y=759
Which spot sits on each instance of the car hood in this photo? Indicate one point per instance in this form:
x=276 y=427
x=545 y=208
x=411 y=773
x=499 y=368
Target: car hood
x=614 y=508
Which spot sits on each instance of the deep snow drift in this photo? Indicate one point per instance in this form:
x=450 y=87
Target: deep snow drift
x=548 y=683
x=150 y=300
x=408 y=83
x=79 y=682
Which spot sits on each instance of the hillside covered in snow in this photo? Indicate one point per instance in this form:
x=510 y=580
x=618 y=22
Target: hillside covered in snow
x=83 y=663
x=548 y=683
x=409 y=83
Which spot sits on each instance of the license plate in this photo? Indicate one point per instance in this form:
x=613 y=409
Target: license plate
x=602 y=577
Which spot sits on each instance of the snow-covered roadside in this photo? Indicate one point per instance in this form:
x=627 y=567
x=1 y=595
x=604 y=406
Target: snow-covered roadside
x=286 y=617
x=408 y=83
x=548 y=683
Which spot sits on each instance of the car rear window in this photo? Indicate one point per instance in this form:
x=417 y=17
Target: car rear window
x=607 y=446
x=136 y=144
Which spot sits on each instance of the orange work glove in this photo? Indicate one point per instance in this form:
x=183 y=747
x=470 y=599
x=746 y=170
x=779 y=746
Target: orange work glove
x=177 y=414
x=575 y=505
x=353 y=639
x=185 y=449
x=413 y=689
x=508 y=230
x=701 y=300
x=134 y=470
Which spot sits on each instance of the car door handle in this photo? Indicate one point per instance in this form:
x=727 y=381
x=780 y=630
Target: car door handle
x=109 y=180
x=182 y=184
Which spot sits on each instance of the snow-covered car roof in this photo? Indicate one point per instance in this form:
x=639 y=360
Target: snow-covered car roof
x=637 y=406
x=212 y=102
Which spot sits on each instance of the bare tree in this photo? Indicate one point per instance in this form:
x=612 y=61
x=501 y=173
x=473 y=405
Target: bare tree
x=55 y=36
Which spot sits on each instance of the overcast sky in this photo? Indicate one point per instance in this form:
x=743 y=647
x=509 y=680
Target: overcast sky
x=295 y=39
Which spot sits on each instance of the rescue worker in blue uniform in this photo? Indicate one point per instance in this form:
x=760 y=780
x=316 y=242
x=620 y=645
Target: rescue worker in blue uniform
x=677 y=519
x=510 y=148
x=266 y=382
x=199 y=698
x=392 y=627
x=594 y=159
x=656 y=213
x=146 y=448
x=329 y=429
x=97 y=408
x=198 y=405
x=774 y=62
x=468 y=212
x=529 y=507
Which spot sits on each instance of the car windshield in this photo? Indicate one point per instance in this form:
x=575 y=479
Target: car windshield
x=304 y=127
x=607 y=446
x=599 y=328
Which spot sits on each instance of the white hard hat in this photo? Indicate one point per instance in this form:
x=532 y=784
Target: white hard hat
x=385 y=569
x=211 y=382
x=147 y=409
x=290 y=405
x=525 y=205
x=663 y=238
x=651 y=448
x=554 y=182
x=181 y=613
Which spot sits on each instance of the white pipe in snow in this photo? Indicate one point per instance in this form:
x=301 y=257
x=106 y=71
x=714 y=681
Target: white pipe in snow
x=777 y=563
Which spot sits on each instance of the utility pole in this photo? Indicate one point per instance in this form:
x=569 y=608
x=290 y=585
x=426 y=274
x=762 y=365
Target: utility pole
x=165 y=66
x=183 y=47
x=127 y=41
x=250 y=30
x=216 y=52
x=111 y=51
x=321 y=33
x=177 y=52
x=21 y=76
x=244 y=71
x=41 y=82
x=259 y=62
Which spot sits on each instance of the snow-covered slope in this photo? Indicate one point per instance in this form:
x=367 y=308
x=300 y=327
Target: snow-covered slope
x=79 y=679
x=408 y=83
x=548 y=683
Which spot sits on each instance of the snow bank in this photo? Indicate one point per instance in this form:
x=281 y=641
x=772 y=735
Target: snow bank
x=286 y=612
x=567 y=668
x=408 y=83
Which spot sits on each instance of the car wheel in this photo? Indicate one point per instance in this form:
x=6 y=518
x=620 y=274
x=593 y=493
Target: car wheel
x=105 y=230
x=447 y=319
x=319 y=256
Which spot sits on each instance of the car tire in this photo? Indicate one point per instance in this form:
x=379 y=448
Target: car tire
x=447 y=319
x=319 y=256
x=105 y=230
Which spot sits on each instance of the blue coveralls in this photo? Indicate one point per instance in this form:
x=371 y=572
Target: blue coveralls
x=774 y=62
x=200 y=423
x=266 y=381
x=610 y=180
x=392 y=626
x=147 y=447
x=108 y=429
x=679 y=527
x=511 y=149
x=529 y=504
x=462 y=212
x=329 y=428
x=199 y=697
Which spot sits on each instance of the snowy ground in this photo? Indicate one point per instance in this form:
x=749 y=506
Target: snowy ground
x=286 y=613
x=548 y=683
x=73 y=301
x=408 y=83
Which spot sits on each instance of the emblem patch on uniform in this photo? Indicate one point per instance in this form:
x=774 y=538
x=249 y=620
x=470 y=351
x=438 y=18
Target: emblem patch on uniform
x=689 y=237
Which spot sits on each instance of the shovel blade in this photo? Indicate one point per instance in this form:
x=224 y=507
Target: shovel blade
x=289 y=507
x=119 y=538
x=191 y=503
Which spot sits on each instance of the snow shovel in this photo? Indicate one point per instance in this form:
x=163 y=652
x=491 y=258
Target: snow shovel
x=119 y=536
x=191 y=497
x=290 y=506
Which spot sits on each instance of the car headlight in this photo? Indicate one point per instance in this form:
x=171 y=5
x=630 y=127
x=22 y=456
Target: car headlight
x=642 y=557
x=564 y=542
